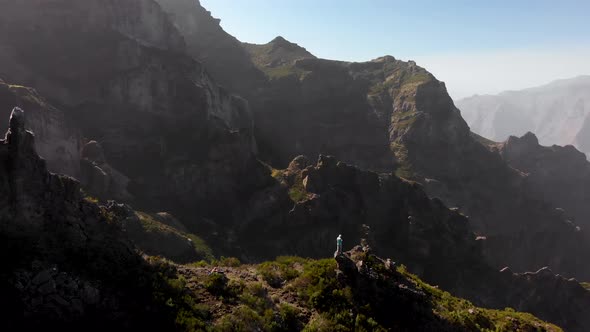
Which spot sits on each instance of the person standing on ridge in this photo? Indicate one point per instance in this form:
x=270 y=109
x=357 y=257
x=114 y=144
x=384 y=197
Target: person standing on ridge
x=339 y=244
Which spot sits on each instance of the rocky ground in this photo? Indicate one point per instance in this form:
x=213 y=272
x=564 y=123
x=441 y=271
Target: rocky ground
x=357 y=290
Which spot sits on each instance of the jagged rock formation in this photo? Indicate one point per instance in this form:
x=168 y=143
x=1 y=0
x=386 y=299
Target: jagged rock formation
x=331 y=197
x=160 y=234
x=185 y=144
x=98 y=177
x=65 y=260
x=356 y=291
x=552 y=297
x=69 y=265
x=364 y=271
x=557 y=112
x=277 y=56
x=410 y=123
x=316 y=106
x=560 y=175
x=221 y=53
x=57 y=140
x=175 y=141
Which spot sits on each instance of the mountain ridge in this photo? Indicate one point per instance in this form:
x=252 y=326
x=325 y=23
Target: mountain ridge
x=556 y=112
x=228 y=167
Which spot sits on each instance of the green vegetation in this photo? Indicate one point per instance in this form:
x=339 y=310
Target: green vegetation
x=417 y=78
x=151 y=225
x=320 y=289
x=309 y=295
x=404 y=169
x=463 y=313
x=275 y=73
x=297 y=194
x=219 y=285
x=229 y=262
x=297 y=191
x=169 y=291
x=256 y=311
x=397 y=75
x=277 y=59
x=91 y=199
x=283 y=270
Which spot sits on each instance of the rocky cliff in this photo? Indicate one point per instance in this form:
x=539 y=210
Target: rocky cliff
x=57 y=139
x=208 y=43
x=395 y=218
x=388 y=114
x=161 y=133
x=557 y=112
x=331 y=197
x=121 y=74
x=66 y=262
x=560 y=175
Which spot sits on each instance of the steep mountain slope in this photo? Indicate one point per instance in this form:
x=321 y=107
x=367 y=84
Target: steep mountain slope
x=66 y=263
x=357 y=291
x=557 y=112
x=560 y=175
x=129 y=80
x=400 y=221
x=388 y=114
x=70 y=267
x=120 y=73
x=57 y=140
x=208 y=43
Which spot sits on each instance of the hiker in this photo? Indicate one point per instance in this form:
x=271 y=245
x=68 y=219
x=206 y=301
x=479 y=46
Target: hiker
x=339 y=244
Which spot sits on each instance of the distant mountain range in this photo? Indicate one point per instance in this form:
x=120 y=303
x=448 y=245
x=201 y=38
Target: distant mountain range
x=558 y=113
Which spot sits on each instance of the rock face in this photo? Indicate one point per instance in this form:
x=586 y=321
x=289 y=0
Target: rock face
x=98 y=177
x=560 y=175
x=279 y=54
x=316 y=106
x=551 y=297
x=557 y=112
x=372 y=281
x=160 y=235
x=388 y=114
x=330 y=198
x=221 y=53
x=57 y=140
x=184 y=143
x=65 y=261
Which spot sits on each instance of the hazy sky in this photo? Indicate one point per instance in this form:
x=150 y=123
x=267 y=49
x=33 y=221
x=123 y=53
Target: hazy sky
x=474 y=46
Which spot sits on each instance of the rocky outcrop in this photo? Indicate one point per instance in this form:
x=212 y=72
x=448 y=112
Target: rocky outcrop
x=65 y=260
x=434 y=146
x=557 y=112
x=560 y=175
x=387 y=115
x=220 y=52
x=373 y=281
x=56 y=140
x=160 y=235
x=329 y=197
x=560 y=300
x=315 y=106
x=278 y=53
x=184 y=143
x=98 y=177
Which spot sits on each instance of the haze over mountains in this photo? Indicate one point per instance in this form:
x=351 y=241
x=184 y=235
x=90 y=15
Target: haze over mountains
x=191 y=147
x=558 y=113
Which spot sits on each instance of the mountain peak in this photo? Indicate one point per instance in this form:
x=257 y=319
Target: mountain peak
x=279 y=40
x=278 y=52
